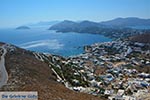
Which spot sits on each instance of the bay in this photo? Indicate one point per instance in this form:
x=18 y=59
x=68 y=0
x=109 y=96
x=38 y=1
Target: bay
x=47 y=41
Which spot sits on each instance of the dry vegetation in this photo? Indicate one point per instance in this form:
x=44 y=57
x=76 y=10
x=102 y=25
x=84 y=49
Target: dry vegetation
x=143 y=38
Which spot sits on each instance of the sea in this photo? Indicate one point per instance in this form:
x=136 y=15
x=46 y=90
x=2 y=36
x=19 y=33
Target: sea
x=49 y=41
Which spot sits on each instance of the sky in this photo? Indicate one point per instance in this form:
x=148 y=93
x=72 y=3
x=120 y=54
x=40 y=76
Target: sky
x=19 y=12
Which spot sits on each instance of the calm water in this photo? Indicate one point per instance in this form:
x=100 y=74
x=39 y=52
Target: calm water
x=43 y=40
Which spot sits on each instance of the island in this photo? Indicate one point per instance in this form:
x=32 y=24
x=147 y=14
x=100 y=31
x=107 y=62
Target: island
x=22 y=27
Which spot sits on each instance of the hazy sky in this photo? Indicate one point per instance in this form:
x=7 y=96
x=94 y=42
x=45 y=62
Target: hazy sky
x=18 y=12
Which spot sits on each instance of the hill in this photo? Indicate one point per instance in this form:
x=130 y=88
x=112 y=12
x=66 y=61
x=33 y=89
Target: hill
x=73 y=26
x=63 y=25
x=22 y=27
x=114 y=32
x=29 y=71
x=130 y=21
x=115 y=23
x=142 y=38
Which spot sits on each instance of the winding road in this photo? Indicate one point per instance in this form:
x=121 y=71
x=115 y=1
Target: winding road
x=3 y=72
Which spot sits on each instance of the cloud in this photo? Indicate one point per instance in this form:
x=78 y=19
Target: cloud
x=51 y=44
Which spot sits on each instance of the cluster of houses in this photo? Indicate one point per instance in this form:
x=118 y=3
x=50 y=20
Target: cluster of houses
x=120 y=80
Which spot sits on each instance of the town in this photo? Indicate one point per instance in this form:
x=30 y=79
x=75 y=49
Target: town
x=113 y=69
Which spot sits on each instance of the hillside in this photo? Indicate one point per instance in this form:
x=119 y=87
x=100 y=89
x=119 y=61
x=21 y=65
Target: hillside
x=130 y=21
x=112 y=31
x=74 y=26
x=115 y=23
x=143 y=38
x=27 y=73
x=63 y=25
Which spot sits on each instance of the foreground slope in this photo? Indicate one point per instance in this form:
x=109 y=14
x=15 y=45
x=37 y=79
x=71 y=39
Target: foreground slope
x=27 y=73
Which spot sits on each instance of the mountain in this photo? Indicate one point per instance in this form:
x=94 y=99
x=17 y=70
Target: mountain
x=66 y=24
x=115 y=23
x=130 y=21
x=22 y=27
x=88 y=24
x=117 y=28
x=32 y=71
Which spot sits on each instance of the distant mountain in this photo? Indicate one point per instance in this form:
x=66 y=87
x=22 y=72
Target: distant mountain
x=94 y=28
x=22 y=27
x=88 y=24
x=115 y=23
x=117 y=28
x=66 y=24
x=130 y=21
x=73 y=26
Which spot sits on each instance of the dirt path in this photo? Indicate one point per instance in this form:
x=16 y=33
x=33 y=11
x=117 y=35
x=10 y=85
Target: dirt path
x=4 y=74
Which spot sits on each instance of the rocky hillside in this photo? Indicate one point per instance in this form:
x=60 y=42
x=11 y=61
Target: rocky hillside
x=30 y=71
x=143 y=38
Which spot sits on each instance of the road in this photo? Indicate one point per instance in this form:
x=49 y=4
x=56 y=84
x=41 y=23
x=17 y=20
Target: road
x=4 y=74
